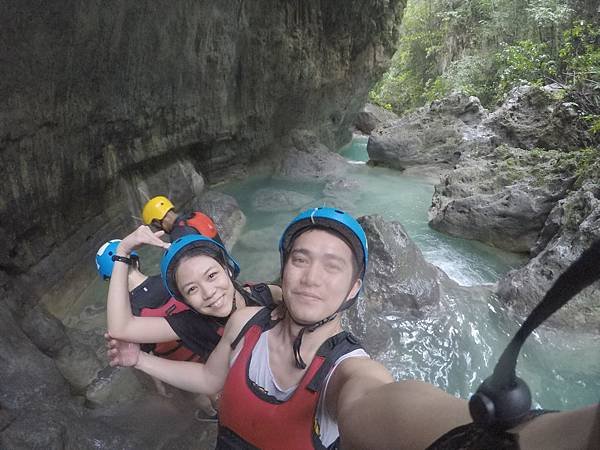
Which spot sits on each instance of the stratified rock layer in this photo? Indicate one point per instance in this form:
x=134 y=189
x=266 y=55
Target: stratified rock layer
x=99 y=100
x=105 y=106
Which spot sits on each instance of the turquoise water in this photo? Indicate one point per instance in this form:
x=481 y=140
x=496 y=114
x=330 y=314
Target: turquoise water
x=458 y=347
x=455 y=348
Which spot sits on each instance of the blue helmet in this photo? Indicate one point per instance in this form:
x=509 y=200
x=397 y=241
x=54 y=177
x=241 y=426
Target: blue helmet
x=330 y=218
x=186 y=243
x=104 y=262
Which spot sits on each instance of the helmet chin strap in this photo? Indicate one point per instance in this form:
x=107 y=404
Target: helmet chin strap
x=310 y=327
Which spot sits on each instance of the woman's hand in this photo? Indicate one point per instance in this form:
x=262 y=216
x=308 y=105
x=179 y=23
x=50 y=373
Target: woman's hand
x=143 y=235
x=121 y=353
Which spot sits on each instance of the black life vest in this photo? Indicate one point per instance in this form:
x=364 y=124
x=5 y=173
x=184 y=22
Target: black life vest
x=250 y=418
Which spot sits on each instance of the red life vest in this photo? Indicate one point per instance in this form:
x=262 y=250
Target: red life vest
x=250 y=418
x=202 y=223
x=173 y=350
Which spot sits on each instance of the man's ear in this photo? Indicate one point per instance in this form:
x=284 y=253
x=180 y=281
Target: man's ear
x=355 y=288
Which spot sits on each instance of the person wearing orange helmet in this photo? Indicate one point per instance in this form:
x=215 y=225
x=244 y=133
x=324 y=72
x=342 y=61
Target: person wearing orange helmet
x=160 y=213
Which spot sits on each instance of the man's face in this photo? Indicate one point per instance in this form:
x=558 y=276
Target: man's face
x=318 y=276
x=166 y=223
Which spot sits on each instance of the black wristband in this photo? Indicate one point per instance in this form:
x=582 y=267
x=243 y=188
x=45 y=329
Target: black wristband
x=122 y=259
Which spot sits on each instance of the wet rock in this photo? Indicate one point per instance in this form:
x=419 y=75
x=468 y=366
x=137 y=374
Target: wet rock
x=45 y=331
x=340 y=186
x=114 y=385
x=572 y=226
x=33 y=431
x=532 y=117
x=303 y=157
x=75 y=357
x=373 y=116
x=197 y=436
x=398 y=281
x=225 y=212
x=78 y=361
x=67 y=429
x=26 y=374
x=438 y=134
x=274 y=200
x=398 y=278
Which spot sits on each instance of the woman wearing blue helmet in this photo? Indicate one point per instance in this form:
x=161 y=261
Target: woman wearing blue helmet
x=197 y=271
x=324 y=254
x=339 y=396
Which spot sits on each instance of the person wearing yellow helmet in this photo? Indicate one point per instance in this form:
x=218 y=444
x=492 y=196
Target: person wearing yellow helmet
x=160 y=213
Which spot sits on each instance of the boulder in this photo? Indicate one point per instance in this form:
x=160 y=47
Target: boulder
x=226 y=213
x=398 y=278
x=303 y=157
x=402 y=293
x=437 y=134
x=26 y=374
x=373 y=116
x=502 y=199
x=45 y=331
x=398 y=281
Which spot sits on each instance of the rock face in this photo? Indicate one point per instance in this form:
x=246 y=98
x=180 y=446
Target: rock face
x=98 y=101
x=106 y=107
x=502 y=199
x=572 y=225
x=532 y=117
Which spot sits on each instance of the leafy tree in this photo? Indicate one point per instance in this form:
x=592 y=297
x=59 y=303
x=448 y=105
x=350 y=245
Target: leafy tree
x=486 y=47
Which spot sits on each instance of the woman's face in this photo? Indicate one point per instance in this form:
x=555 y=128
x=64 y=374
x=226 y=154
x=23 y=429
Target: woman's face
x=205 y=285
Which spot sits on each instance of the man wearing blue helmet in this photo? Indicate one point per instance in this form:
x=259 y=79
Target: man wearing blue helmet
x=324 y=254
x=303 y=382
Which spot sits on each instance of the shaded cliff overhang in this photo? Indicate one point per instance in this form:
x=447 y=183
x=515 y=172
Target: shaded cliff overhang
x=98 y=94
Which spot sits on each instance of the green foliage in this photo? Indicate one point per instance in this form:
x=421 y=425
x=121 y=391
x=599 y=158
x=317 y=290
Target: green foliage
x=486 y=47
x=580 y=52
x=524 y=62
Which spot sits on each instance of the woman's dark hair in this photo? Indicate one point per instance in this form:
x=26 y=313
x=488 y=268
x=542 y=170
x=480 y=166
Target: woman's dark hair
x=195 y=249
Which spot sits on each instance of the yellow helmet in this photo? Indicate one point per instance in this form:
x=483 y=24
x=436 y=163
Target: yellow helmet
x=156 y=209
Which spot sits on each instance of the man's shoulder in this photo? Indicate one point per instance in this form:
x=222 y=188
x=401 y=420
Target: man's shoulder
x=239 y=319
x=359 y=372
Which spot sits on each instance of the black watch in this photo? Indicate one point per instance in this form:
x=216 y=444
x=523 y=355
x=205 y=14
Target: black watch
x=122 y=259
